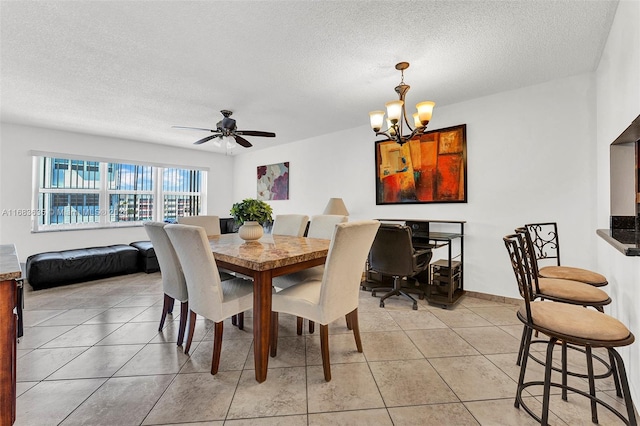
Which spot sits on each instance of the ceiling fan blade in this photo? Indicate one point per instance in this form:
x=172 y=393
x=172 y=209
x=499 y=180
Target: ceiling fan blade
x=256 y=133
x=193 y=128
x=242 y=141
x=203 y=140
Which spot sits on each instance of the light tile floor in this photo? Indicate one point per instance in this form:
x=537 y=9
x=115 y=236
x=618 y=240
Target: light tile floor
x=91 y=355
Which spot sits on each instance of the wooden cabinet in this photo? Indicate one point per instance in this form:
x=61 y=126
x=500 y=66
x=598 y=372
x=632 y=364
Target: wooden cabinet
x=9 y=274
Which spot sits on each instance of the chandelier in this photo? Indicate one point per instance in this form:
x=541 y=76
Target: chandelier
x=397 y=114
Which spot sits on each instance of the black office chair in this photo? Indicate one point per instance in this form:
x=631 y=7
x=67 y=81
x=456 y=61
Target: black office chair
x=392 y=254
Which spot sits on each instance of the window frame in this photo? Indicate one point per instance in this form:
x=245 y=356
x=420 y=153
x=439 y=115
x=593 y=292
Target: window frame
x=104 y=193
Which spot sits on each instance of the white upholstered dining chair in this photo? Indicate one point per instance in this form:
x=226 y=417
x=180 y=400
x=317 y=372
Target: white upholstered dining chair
x=290 y=224
x=335 y=294
x=211 y=224
x=173 y=282
x=209 y=296
x=321 y=226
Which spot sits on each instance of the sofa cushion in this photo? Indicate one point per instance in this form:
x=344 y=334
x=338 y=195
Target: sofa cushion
x=51 y=269
x=147 y=259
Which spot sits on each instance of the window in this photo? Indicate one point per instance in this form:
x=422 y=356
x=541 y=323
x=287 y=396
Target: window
x=181 y=193
x=130 y=192
x=69 y=191
x=73 y=194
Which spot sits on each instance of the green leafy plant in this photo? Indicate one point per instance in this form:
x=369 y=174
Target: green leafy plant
x=251 y=209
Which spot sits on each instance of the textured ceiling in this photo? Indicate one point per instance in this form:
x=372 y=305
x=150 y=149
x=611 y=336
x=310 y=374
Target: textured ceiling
x=132 y=69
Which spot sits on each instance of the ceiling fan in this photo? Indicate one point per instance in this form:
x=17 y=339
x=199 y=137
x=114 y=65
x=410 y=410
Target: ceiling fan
x=227 y=128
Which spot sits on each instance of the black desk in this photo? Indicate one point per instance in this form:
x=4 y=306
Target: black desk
x=445 y=285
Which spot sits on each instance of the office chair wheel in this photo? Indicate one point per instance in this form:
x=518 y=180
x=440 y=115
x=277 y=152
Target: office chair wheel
x=415 y=306
x=381 y=304
x=373 y=294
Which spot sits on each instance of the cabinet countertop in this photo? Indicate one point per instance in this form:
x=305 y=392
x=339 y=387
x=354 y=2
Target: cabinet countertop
x=9 y=263
x=625 y=241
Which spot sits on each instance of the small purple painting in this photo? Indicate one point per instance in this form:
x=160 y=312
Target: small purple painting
x=273 y=182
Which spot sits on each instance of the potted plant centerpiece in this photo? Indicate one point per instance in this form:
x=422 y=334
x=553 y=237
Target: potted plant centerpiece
x=251 y=214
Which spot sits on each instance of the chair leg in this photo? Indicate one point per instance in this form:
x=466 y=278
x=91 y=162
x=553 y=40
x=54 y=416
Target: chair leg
x=274 y=334
x=521 y=350
x=184 y=313
x=168 y=303
x=526 y=343
x=324 y=348
x=192 y=327
x=353 y=321
x=241 y=321
x=398 y=292
x=592 y=386
x=547 y=381
x=564 y=370
x=614 y=373
x=631 y=415
x=299 y=323
x=218 y=328
x=348 y=320
x=312 y=327
x=234 y=320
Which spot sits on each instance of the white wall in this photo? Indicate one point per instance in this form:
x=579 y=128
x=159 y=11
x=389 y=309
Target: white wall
x=531 y=158
x=16 y=142
x=618 y=104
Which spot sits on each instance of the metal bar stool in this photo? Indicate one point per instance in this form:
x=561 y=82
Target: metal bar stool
x=570 y=324
x=565 y=291
x=546 y=245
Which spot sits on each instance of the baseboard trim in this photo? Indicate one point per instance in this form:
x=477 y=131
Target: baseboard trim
x=494 y=298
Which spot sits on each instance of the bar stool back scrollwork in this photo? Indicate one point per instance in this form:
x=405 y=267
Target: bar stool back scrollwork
x=547 y=250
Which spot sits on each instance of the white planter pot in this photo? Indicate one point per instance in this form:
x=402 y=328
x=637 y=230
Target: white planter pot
x=250 y=231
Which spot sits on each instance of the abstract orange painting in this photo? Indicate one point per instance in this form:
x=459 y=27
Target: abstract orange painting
x=430 y=168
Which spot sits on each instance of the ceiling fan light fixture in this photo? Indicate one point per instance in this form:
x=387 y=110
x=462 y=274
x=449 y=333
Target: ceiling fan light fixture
x=226 y=129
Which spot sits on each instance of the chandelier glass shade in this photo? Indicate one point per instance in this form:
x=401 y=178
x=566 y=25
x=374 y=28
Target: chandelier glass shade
x=396 y=119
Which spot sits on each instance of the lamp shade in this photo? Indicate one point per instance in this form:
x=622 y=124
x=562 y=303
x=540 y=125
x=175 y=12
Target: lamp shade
x=394 y=110
x=377 y=118
x=391 y=128
x=336 y=206
x=425 y=110
x=416 y=120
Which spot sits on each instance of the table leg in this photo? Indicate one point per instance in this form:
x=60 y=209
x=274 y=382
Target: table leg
x=261 y=322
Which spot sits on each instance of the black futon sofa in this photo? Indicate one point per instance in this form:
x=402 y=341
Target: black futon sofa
x=54 y=268
x=51 y=269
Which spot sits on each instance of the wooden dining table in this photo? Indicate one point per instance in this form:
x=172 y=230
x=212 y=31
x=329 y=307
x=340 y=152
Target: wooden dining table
x=268 y=257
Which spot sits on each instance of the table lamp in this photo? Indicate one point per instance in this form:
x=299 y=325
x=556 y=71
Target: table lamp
x=336 y=206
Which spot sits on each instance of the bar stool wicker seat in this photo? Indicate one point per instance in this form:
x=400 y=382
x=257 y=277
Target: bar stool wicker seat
x=570 y=325
x=547 y=247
